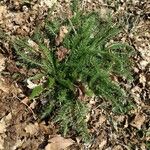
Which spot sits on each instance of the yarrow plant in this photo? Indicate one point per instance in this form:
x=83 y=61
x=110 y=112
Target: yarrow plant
x=76 y=60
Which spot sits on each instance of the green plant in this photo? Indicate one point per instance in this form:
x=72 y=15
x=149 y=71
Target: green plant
x=74 y=64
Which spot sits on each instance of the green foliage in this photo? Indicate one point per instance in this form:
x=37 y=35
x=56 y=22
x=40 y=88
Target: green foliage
x=92 y=61
x=36 y=91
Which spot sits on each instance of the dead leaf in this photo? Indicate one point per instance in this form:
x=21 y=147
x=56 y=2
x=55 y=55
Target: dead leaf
x=59 y=143
x=8 y=118
x=25 y=101
x=32 y=128
x=117 y=147
x=143 y=146
x=3 y=86
x=142 y=79
x=61 y=53
x=3 y=11
x=44 y=128
x=143 y=64
x=18 y=19
x=2 y=127
x=2 y=62
x=102 y=144
x=1 y=143
x=11 y=67
x=80 y=91
x=104 y=12
x=138 y=121
x=102 y=119
x=62 y=32
x=18 y=144
x=4 y=123
x=23 y=30
x=48 y=3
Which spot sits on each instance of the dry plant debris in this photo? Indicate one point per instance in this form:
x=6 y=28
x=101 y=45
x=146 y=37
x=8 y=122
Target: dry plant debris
x=59 y=143
x=19 y=130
